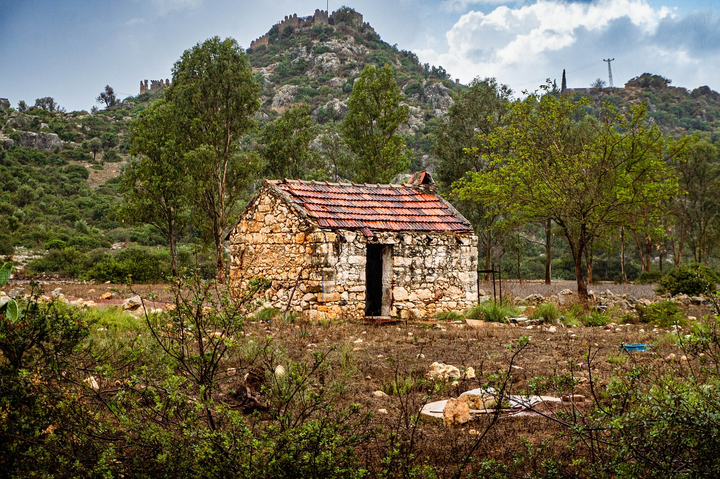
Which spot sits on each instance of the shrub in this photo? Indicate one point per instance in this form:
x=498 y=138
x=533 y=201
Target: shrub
x=138 y=264
x=491 y=311
x=595 y=318
x=55 y=244
x=648 y=277
x=548 y=312
x=692 y=279
x=664 y=314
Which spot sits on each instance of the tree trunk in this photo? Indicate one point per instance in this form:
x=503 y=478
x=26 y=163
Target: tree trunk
x=622 y=255
x=173 y=248
x=579 y=273
x=588 y=263
x=548 y=246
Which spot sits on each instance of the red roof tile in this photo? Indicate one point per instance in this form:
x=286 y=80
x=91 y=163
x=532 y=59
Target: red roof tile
x=373 y=207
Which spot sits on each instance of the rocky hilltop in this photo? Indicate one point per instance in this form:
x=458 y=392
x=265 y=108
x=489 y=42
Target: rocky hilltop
x=316 y=59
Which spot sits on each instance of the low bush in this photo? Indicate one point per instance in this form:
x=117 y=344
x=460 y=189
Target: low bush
x=491 y=311
x=137 y=264
x=595 y=318
x=548 y=312
x=692 y=279
x=663 y=313
x=648 y=277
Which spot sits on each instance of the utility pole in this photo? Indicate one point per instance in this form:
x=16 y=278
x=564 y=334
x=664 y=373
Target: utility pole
x=610 y=82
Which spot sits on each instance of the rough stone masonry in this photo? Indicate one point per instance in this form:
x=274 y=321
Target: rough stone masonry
x=350 y=251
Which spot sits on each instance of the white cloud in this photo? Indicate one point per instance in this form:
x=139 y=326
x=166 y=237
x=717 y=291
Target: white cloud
x=167 y=6
x=462 y=5
x=134 y=21
x=520 y=44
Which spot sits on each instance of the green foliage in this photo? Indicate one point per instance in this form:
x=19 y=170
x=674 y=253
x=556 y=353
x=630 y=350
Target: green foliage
x=370 y=127
x=548 y=312
x=491 y=311
x=449 y=316
x=648 y=277
x=663 y=313
x=589 y=175
x=286 y=152
x=594 y=319
x=136 y=264
x=267 y=314
x=215 y=98
x=692 y=279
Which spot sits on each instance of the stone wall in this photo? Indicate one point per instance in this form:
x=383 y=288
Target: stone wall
x=431 y=272
x=153 y=86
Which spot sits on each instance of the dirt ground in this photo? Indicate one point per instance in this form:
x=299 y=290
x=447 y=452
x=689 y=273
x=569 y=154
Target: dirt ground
x=401 y=353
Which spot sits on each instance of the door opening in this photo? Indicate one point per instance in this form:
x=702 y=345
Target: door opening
x=378 y=280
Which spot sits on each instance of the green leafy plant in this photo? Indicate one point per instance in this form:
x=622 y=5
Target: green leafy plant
x=491 y=311
x=663 y=313
x=548 y=312
x=692 y=279
x=449 y=316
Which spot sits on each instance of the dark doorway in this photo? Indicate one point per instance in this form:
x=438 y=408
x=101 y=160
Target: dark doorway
x=378 y=280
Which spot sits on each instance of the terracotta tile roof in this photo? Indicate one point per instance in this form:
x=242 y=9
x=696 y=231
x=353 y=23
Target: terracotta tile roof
x=374 y=207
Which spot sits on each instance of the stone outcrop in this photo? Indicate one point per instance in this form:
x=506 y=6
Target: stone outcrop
x=39 y=141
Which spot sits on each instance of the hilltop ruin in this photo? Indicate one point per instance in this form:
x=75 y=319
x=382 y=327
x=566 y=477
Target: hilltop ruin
x=343 y=16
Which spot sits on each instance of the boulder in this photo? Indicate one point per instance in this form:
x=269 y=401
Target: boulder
x=443 y=371
x=132 y=303
x=456 y=412
x=39 y=141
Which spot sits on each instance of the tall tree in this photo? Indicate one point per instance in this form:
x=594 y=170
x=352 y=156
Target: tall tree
x=215 y=97
x=698 y=207
x=151 y=184
x=286 y=145
x=371 y=125
x=563 y=83
x=589 y=176
x=107 y=96
x=460 y=148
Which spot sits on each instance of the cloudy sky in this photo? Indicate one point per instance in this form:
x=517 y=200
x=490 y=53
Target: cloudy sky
x=71 y=49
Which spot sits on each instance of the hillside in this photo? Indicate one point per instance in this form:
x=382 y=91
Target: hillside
x=60 y=188
x=676 y=110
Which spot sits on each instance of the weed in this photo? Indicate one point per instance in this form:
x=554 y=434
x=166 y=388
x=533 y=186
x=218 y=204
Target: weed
x=595 y=318
x=267 y=314
x=663 y=314
x=491 y=311
x=617 y=359
x=548 y=312
x=449 y=316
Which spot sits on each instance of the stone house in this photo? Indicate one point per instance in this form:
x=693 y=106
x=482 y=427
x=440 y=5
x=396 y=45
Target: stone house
x=341 y=250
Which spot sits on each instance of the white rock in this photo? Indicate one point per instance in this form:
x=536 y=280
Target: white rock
x=379 y=394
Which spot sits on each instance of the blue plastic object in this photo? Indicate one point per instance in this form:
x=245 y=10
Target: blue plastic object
x=636 y=347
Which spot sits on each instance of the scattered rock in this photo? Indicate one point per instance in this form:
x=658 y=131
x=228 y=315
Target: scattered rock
x=92 y=383
x=443 y=371
x=382 y=411
x=106 y=296
x=469 y=373
x=670 y=357
x=379 y=394
x=573 y=398
x=279 y=371
x=456 y=412
x=132 y=303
